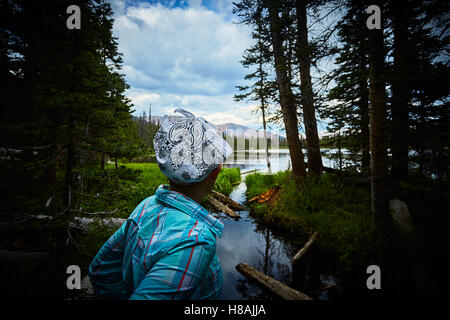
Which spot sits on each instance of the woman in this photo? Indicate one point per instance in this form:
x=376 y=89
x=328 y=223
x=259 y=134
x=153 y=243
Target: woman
x=167 y=247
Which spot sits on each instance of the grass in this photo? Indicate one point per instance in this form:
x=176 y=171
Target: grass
x=340 y=212
x=127 y=186
x=227 y=179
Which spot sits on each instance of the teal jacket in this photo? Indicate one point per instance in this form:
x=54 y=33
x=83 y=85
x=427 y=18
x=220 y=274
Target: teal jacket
x=165 y=250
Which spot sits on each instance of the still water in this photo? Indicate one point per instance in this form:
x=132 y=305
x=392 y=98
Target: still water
x=246 y=241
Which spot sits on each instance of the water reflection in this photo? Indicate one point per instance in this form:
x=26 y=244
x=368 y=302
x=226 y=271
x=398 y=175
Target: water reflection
x=249 y=160
x=245 y=241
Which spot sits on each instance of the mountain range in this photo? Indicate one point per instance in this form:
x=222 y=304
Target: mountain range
x=233 y=129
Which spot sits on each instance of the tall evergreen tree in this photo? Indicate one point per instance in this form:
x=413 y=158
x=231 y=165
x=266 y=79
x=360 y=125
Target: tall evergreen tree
x=287 y=99
x=307 y=96
x=263 y=89
x=378 y=120
x=72 y=99
x=348 y=110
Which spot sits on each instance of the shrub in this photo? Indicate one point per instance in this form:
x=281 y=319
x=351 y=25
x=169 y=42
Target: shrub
x=227 y=180
x=341 y=213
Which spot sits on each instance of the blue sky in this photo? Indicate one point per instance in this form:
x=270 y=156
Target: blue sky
x=184 y=54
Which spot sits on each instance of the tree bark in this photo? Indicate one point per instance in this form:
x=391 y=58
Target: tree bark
x=263 y=109
x=103 y=161
x=400 y=94
x=364 y=110
x=377 y=109
x=287 y=102
x=309 y=115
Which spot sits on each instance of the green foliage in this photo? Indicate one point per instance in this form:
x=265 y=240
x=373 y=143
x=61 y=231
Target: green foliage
x=122 y=189
x=258 y=183
x=227 y=180
x=341 y=213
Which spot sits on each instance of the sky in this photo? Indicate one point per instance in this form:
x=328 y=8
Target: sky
x=185 y=54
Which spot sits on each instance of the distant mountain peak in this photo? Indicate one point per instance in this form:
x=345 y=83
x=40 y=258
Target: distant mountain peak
x=232 y=128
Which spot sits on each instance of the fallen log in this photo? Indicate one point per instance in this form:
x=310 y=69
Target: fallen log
x=305 y=247
x=228 y=200
x=221 y=207
x=269 y=283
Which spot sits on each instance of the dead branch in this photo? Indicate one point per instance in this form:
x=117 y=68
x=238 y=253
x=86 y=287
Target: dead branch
x=305 y=247
x=269 y=283
x=323 y=289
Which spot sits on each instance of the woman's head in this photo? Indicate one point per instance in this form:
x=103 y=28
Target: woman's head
x=188 y=150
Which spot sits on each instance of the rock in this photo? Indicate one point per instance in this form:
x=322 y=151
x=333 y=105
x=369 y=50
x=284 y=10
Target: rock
x=86 y=285
x=402 y=218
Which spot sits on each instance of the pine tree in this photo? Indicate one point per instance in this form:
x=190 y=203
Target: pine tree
x=72 y=103
x=307 y=97
x=287 y=99
x=378 y=120
x=348 y=108
x=263 y=90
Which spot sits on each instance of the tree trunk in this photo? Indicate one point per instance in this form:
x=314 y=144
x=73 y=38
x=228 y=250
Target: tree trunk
x=287 y=102
x=400 y=94
x=263 y=111
x=49 y=174
x=103 y=161
x=309 y=115
x=377 y=109
x=263 y=106
x=364 y=111
x=70 y=163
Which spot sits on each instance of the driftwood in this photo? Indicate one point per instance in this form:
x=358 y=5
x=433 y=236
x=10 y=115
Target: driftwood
x=323 y=289
x=221 y=207
x=305 y=247
x=271 y=284
x=228 y=200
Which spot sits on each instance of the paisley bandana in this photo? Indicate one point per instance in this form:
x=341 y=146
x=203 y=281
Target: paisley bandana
x=188 y=149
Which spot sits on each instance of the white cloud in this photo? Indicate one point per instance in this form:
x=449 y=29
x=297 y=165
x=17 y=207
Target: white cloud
x=184 y=58
x=189 y=50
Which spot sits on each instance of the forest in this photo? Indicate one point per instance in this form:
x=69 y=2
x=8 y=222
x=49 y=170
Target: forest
x=72 y=148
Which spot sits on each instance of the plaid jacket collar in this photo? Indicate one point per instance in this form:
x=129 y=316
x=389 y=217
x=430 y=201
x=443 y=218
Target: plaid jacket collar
x=185 y=204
